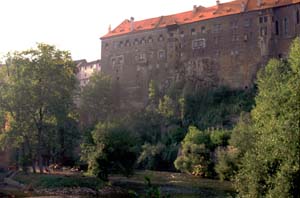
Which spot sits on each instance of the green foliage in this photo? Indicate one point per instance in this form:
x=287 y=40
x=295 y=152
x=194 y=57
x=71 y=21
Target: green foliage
x=217 y=107
x=166 y=107
x=227 y=162
x=197 y=149
x=96 y=100
x=195 y=153
x=113 y=150
x=271 y=168
x=37 y=96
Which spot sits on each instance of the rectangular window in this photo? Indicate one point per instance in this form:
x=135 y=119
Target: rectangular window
x=234 y=24
x=216 y=28
x=247 y=23
x=276 y=27
x=141 y=58
x=265 y=19
x=263 y=31
x=235 y=37
x=161 y=54
x=193 y=31
x=120 y=59
x=203 y=30
x=198 y=44
x=261 y=19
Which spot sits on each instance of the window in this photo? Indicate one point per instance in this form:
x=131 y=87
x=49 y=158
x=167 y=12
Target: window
x=160 y=38
x=235 y=37
x=121 y=44
x=298 y=17
x=234 y=24
x=198 y=43
x=182 y=34
x=171 y=34
x=143 y=41
x=161 y=54
x=141 y=58
x=106 y=45
x=216 y=28
x=276 y=27
x=127 y=43
x=193 y=31
x=120 y=59
x=263 y=19
x=286 y=26
x=263 y=31
x=150 y=39
x=136 y=41
x=247 y=23
x=203 y=30
x=216 y=40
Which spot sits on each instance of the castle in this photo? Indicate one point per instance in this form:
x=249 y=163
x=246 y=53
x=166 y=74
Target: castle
x=223 y=45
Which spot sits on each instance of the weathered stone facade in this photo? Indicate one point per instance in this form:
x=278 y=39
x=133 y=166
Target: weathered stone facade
x=86 y=70
x=224 y=45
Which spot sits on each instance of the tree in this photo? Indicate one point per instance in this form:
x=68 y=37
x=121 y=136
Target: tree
x=271 y=167
x=96 y=100
x=38 y=95
x=112 y=150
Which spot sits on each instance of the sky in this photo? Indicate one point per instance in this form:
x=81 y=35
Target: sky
x=75 y=25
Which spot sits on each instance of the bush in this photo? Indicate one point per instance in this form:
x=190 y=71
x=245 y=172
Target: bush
x=227 y=162
x=195 y=154
x=113 y=150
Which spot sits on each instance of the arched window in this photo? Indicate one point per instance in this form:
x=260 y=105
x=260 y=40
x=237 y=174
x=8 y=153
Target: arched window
x=286 y=26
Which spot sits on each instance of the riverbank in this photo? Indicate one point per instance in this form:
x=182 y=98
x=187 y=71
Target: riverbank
x=178 y=185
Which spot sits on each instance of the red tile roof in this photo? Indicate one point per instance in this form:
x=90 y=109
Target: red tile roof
x=202 y=13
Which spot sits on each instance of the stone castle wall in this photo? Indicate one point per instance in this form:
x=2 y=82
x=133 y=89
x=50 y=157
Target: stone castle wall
x=223 y=51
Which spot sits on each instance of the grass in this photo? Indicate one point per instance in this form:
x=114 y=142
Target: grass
x=40 y=181
x=179 y=185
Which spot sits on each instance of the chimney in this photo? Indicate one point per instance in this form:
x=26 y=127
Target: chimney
x=243 y=6
x=218 y=2
x=195 y=9
x=131 y=24
x=259 y=3
x=109 y=28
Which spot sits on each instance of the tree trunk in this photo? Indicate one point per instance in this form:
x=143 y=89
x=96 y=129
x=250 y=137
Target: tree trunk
x=39 y=151
x=30 y=155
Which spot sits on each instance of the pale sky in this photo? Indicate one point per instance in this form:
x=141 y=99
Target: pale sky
x=76 y=25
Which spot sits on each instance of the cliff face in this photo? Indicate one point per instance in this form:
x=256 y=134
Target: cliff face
x=226 y=50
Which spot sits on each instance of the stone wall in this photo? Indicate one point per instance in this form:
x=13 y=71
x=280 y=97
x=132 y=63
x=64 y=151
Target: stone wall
x=223 y=51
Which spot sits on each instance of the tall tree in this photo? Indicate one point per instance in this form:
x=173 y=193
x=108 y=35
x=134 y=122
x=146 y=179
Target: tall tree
x=271 y=167
x=38 y=94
